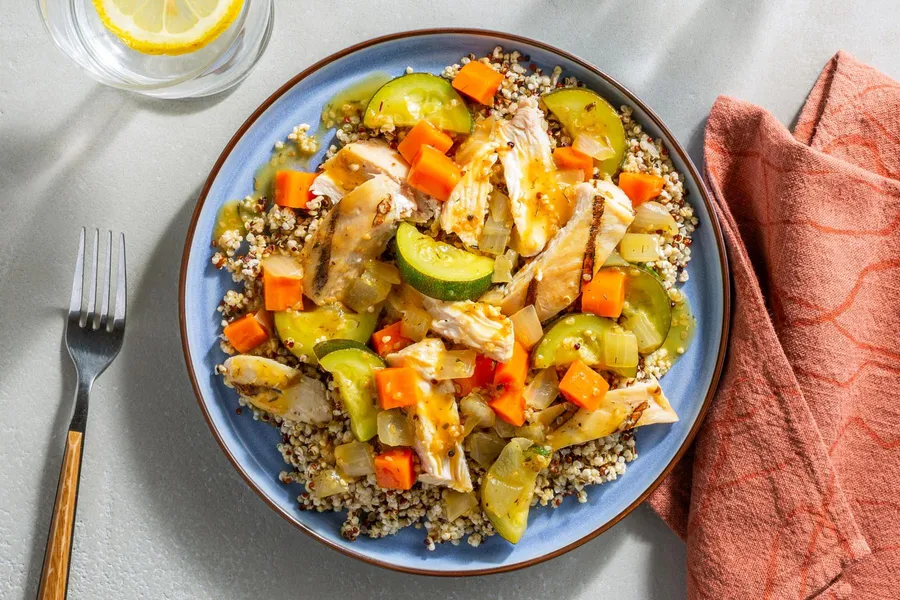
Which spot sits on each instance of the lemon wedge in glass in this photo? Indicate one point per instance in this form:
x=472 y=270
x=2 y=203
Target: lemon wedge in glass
x=167 y=26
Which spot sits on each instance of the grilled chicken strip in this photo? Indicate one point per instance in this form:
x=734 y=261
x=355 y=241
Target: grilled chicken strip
x=553 y=280
x=477 y=325
x=435 y=419
x=646 y=403
x=359 y=162
x=355 y=230
x=278 y=389
x=537 y=203
x=250 y=370
x=463 y=212
x=634 y=406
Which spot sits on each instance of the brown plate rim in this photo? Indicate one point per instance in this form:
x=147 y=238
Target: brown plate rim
x=511 y=39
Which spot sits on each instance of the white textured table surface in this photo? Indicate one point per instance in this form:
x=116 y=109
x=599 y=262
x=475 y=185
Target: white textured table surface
x=162 y=514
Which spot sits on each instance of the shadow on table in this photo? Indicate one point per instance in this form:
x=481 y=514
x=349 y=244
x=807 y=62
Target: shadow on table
x=183 y=106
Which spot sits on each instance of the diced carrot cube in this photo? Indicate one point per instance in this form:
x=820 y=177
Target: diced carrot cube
x=641 y=187
x=509 y=404
x=478 y=81
x=515 y=370
x=423 y=134
x=583 y=386
x=390 y=339
x=246 y=333
x=282 y=283
x=433 y=173
x=395 y=470
x=567 y=157
x=292 y=188
x=397 y=386
x=604 y=295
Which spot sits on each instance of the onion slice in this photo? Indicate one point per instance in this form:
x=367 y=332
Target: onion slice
x=455 y=364
x=494 y=237
x=593 y=147
x=639 y=247
x=527 y=327
x=354 y=459
x=620 y=349
x=652 y=216
x=543 y=389
x=394 y=428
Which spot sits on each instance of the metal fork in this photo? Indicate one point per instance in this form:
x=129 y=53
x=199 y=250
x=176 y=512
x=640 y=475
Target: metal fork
x=93 y=340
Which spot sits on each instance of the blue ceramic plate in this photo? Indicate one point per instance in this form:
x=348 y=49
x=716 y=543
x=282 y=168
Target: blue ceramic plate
x=251 y=447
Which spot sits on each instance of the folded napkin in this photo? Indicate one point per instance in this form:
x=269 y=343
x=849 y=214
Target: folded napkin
x=792 y=487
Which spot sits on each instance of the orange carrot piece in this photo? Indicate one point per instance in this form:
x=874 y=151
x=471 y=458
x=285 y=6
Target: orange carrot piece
x=513 y=373
x=478 y=81
x=567 y=157
x=641 y=187
x=394 y=469
x=282 y=293
x=292 y=188
x=390 y=340
x=397 y=386
x=433 y=173
x=246 y=333
x=604 y=295
x=583 y=386
x=509 y=404
x=282 y=283
x=423 y=134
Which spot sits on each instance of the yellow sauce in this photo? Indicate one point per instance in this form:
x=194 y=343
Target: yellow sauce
x=352 y=100
x=228 y=219
x=682 y=331
x=289 y=157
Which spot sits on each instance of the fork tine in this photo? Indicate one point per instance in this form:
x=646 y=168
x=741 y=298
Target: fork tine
x=77 y=282
x=103 y=314
x=119 y=318
x=87 y=312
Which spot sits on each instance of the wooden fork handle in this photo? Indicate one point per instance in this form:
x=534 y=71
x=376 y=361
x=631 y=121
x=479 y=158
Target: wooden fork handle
x=55 y=572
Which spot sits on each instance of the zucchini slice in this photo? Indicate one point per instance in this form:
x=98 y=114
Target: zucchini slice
x=508 y=486
x=648 y=310
x=682 y=332
x=323 y=349
x=583 y=111
x=440 y=270
x=353 y=368
x=408 y=99
x=572 y=337
x=330 y=322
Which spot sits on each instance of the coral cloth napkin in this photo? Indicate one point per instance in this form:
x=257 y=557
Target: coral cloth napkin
x=792 y=487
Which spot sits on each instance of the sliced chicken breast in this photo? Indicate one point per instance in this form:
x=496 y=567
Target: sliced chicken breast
x=355 y=230
x=422 y=356
x=477 y=325
x=250 y=370
x=552 y=281
x=359 y=162
x=435 y=419
x=646 y=404
x=537 y=203
x=464 y=211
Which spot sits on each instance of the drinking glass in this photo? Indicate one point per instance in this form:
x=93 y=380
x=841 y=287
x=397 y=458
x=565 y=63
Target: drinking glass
x=77 y=30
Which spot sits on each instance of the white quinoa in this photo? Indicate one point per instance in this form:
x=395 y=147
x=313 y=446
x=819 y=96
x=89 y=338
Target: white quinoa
x=309 y=449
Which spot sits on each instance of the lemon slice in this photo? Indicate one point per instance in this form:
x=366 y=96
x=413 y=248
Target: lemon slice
x=167 y=26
